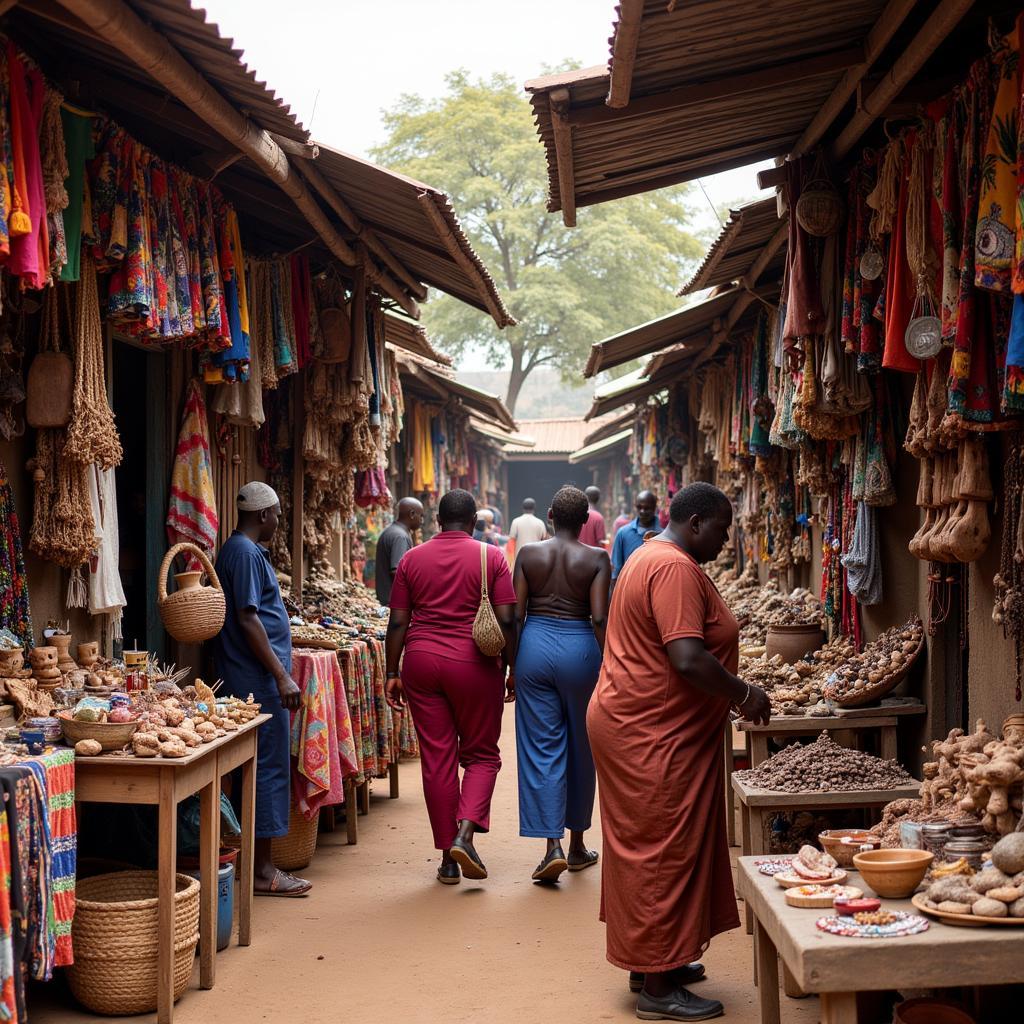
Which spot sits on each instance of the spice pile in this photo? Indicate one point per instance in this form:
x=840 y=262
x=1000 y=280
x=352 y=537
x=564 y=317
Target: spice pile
x=883 y=658
x=798 y=688
x=346 y=601
x=824 y=765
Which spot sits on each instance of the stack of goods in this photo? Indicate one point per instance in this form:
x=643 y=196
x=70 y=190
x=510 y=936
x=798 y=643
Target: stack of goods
x=878 y=668
x=797 y=688
x=995 y=892
x=348 y=602
x=824 y=766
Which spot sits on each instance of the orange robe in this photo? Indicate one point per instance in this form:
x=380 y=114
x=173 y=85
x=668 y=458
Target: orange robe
x=666 y=883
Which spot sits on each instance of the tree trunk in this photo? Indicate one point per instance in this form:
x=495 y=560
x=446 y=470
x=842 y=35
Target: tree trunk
x=516 y=378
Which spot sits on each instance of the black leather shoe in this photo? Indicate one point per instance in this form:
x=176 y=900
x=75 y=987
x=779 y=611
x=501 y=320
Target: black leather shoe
x=551 y=867
x=449 y=874
x=677 y=1005
x=685 y=975
x=468 y=859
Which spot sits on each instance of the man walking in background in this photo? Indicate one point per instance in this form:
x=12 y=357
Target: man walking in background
x=593 y=531
x=393 y=542
x=525 y=529
x=631 y=536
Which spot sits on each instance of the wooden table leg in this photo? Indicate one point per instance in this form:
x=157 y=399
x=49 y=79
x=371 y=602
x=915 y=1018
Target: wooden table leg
x=838 y=1008
x=730 y=796
x=209 y=847
x=887 y=742
x=247 y=851
x=393 y=779
x=758 y=748
x=364 y=797
x=351 y=824
x=754 y=843
x=790 y=986
x=167 y=844
x=767 y=960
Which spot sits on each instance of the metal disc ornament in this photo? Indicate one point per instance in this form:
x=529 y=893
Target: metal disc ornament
x=923 y=337
x=872 y=263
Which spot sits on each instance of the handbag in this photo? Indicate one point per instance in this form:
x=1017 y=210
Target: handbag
x=487 y=634
x=50 y=382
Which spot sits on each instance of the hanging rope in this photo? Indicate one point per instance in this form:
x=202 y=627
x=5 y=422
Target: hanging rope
x=63 y=530
x=884 y=197
x=92 y=434
x=53 y=153
x=919 y=256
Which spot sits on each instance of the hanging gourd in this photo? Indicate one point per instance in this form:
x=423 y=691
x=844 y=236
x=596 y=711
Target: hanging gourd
x=819 y=210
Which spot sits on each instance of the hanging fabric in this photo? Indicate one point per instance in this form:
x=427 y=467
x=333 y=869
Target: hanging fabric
x=863 y=562
x=192 y=514
x=106 y=595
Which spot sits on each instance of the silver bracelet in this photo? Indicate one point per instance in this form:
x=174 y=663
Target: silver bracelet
x=746 y=696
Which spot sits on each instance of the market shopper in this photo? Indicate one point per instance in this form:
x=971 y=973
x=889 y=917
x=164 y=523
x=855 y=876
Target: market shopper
x=253 y=654
x=561 y=607
x=655 y=723
x=593 y=532
x=528 y=528
x=453 y=690
x=393 y=542
x=632 y=535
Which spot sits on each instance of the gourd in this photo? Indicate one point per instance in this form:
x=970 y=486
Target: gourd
x=969 y=537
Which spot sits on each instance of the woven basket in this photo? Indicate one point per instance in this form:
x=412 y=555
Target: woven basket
x=882 y=688
x=819 y=209
x=336 y=328
x=116 y=934
x=109 y=735
x=48 y=390
x=194 y=615
x=295 y=850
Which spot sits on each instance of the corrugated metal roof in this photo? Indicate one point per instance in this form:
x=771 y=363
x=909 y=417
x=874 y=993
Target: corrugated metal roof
x=731 y=255
x=714 y=86
x=602 y=447
x=396 y=208
x=429 y=379
x=495 y=433
x=608 y=426
x=555 y=436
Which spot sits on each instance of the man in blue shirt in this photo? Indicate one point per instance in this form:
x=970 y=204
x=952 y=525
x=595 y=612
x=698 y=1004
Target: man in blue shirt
x=254 y=655
x=631 y=536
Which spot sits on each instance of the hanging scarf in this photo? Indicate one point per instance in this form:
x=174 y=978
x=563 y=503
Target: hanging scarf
x=192 y=515
x=14 y=607
x=106 y=595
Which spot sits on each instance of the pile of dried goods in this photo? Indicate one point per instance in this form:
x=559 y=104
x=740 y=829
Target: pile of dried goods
x=883 y=658
x=798 y=688
x=997 y=891
x=824 y=765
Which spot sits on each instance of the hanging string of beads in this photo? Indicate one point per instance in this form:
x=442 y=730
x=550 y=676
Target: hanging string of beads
x=92 y=434
x=1008 y=610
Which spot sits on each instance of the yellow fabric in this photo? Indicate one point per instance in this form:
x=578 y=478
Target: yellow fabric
x=422 y=450
x=236 y=245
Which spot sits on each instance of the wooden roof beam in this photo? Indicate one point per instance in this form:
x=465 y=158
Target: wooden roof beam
x=119 y=26
x=624 y=46
x=365 y=234
x=721 y=88
x=944 y=19
x=562 y=128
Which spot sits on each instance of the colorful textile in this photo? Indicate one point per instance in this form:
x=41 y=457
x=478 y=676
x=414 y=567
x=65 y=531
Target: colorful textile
x=321 y=737
x=78 y=143
x=8 y=967
x=16 y=782
x=14 y=607
x=192 y=515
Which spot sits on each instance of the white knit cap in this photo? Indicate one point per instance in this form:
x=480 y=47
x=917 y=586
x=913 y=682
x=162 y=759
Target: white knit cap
x=256 y=496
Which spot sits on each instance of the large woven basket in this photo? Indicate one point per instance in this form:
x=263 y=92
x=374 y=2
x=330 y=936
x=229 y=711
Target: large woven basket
x=194 y=615
x=116 y=934
x=110 y=735
x=295 y=850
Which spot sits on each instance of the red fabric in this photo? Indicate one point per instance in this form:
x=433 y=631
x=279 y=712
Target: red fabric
x=439 y=582
x=301 y=292
x=666 y=884
x=593 y=532
x=457 y=714
x=899 y=290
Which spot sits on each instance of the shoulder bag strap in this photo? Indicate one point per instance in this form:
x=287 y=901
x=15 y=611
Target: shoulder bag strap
x=483 y=572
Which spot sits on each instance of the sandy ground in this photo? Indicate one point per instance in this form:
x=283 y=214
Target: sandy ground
x=379 y=939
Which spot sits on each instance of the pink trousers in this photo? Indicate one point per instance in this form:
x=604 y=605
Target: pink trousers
x=456 y=708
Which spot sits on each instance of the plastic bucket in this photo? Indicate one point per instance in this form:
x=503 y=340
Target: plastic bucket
x=225 y=900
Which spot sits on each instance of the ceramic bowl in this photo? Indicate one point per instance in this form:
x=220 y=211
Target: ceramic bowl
x=843 y=843
x=893 y=874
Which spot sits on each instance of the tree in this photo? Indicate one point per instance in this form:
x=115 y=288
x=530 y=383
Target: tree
x=567 y=287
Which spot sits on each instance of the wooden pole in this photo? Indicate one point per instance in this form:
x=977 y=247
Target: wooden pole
x=299 y=150
x=876 y=41
x=942 y=21
x=351 y=220
x=120 y=27
x=627 y=36
x=559 y=101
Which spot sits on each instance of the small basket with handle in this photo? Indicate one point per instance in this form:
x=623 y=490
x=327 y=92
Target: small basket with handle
x=487 y=633
x=196 y=613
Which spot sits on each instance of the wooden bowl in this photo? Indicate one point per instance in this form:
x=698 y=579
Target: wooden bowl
x=893 y=874
x=843 y=843
x=109 y=735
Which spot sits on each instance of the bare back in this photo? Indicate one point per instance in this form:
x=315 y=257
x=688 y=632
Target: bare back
x=559 y=577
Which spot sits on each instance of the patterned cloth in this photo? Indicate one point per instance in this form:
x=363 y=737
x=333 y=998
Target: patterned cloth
x=8 y=968
x=321 y=737
x=14 y=609
x=192 y=515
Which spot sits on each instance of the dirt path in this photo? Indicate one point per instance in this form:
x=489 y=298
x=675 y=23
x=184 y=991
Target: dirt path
x=380 y=940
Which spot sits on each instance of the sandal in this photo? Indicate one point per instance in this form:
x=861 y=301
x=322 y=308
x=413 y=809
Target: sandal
x=551 y=867
x=284 y=884
x=590 y=858
x=449 y=874
x=464 y=854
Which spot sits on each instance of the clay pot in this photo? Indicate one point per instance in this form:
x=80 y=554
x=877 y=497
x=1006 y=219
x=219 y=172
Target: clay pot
x=62 y=642
x=11 y=662
x=88 y=653
x=843 y=843
x=187 y=580
x=43 y=658
x=793 y=642
x=930 y=1011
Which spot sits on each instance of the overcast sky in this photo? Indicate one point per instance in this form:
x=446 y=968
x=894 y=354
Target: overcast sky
x=339 y=63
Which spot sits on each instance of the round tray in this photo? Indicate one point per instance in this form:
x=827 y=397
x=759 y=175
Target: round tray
x=790 y=881
x=962 y=920
x=858 y=698
x=796 y=897
x=905 y=924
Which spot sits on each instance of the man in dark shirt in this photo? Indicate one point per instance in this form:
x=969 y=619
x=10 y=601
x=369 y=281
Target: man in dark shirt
x=254 y=655
x=393 y=542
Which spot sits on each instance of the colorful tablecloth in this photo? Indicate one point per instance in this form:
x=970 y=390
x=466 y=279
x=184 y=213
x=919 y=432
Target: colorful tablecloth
x=322 y=743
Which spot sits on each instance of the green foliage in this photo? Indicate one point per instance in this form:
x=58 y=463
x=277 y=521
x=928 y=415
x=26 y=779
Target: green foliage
x=567 y=287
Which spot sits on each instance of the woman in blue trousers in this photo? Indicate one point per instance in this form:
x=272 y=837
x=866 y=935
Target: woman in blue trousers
x=562 y=603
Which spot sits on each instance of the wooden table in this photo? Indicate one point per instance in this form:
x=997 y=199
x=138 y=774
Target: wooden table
x=757 y=804
x=944 y=956
x=806 y=725
x=165 y=782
